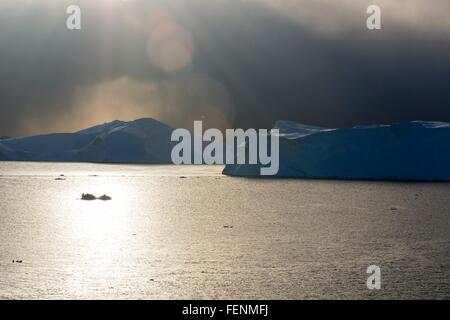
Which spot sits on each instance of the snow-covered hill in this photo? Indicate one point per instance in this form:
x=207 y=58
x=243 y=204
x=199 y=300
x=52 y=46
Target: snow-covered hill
x=404 y=151
x=139 y=141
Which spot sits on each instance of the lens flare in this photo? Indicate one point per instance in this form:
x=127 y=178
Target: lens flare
x=170 y=46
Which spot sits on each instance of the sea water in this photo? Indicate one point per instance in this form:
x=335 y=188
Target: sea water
x=188 y=232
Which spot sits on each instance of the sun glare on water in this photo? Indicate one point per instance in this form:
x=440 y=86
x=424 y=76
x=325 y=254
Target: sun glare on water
x=99 y=233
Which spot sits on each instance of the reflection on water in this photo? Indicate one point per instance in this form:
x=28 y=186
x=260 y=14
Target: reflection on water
x=162 y=236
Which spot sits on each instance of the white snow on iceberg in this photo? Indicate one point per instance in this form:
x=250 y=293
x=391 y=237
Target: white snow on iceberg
x=139 y=141
x=418 y=151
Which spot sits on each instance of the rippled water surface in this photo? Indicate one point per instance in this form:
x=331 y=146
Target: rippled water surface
x=187 y=232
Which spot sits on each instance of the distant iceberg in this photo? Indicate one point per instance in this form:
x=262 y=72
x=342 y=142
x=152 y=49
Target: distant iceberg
x=139 y=141
x=415 y=151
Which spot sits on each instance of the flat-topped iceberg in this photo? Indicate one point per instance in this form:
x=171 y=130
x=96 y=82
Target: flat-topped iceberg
x=417 y=151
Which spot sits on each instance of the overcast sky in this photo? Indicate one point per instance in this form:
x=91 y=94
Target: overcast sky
x=231 y=63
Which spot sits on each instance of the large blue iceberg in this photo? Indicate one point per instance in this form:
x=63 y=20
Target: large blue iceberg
x=415 y=151
x=139 y=141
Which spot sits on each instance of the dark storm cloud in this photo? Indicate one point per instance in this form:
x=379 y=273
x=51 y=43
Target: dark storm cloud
x=251 y=64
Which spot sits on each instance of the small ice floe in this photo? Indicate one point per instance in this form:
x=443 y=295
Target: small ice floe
x=399 y=208
x=90 y=197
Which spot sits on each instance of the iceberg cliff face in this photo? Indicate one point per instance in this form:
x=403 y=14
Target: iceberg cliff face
x=404 y=151
x=4 y=152
x=139 y=141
